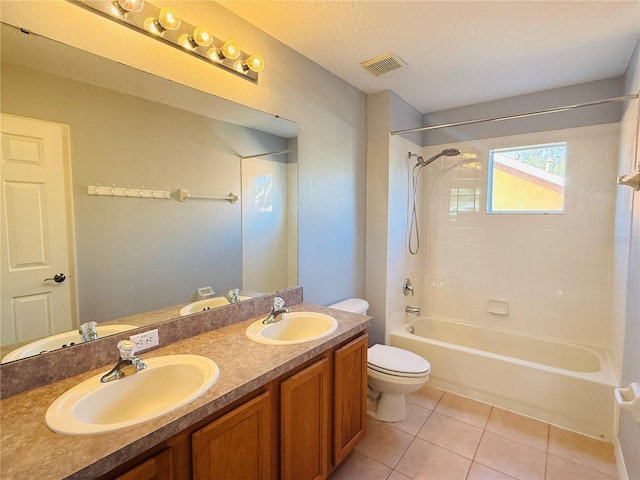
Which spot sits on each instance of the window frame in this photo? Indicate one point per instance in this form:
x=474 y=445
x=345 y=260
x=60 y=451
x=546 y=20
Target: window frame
x=490 y=162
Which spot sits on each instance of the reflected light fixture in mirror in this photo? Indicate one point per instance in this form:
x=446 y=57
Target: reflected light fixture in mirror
x=166 y=24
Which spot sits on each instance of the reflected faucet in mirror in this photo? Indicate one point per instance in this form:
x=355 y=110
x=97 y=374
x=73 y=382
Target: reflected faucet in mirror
x=233 y=295
x=88 y=331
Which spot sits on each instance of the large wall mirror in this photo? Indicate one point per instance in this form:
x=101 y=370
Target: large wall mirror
x=141 y=142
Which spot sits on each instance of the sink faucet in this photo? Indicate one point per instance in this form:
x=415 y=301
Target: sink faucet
x=233 y=295
x=88 y=331
x=128 y=364
x=277 y=309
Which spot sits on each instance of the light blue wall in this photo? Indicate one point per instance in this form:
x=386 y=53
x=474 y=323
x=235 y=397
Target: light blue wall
x=386 y=111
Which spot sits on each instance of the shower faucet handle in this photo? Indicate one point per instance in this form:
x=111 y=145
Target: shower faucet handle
x=407 y=288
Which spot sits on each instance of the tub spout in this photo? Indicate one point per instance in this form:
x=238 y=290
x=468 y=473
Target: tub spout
x=414 y=310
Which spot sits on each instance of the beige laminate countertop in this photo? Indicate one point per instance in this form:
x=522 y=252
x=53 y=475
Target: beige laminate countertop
x=30 y=451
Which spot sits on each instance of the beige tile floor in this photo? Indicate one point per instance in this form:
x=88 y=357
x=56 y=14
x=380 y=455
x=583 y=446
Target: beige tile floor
x=446 y=436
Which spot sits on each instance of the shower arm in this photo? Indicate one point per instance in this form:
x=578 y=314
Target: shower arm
x=432 y=159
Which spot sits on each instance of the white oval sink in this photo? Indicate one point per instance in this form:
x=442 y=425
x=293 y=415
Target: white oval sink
x=60 y=340
x=207 y=304
x=167 y=383
x=295 y=327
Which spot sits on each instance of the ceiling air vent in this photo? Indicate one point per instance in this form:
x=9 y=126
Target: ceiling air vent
x=384 y=64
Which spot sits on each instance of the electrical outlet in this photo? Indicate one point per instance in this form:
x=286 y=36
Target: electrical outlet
x=145 y=340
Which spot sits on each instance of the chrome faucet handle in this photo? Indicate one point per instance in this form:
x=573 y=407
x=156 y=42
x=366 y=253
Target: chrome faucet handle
x=279 y=306
x=127 y=349
x=277 y=309
x=278 y=303
x=407 y=288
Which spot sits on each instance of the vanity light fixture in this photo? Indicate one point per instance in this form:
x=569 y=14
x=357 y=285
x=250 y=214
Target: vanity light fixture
x=166 y=24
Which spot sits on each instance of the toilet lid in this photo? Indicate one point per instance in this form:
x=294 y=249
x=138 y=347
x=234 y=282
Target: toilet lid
x=396 y=361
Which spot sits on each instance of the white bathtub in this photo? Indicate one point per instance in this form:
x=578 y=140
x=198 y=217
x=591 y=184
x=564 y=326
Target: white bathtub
x=566 y=385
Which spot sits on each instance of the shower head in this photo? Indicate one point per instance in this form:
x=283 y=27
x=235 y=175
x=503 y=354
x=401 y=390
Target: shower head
x=450 y=152
x=447 y=152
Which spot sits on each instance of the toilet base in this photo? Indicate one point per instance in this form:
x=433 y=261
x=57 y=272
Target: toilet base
x=387 y=408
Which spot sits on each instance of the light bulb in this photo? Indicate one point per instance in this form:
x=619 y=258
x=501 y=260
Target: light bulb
x=152 y=25
x=169 y=18
x=230 y=49
x=186 y=41
x=255 y=63
x=202 y=36
x=133 y=6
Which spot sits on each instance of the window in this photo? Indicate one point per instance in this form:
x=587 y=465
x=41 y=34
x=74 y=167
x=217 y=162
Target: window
x=527 y=179
x=263 y=193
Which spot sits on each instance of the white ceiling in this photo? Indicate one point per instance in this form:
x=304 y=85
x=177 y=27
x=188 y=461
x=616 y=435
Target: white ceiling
x=458 y=52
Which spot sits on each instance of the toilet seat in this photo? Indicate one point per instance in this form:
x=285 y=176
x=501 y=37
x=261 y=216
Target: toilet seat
x=396 y=362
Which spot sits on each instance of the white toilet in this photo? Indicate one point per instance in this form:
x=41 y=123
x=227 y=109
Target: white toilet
x=391 y=372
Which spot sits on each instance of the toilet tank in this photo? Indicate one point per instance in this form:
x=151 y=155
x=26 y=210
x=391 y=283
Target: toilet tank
x=352 y=305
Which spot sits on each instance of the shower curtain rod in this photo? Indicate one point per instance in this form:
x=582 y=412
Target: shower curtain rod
x=517 y=115
x=267 y=154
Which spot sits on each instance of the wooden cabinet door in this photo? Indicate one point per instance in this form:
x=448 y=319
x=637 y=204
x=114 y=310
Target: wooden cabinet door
x=156 y=468
x=237 y=445
x=304 y=423
x=349 y=397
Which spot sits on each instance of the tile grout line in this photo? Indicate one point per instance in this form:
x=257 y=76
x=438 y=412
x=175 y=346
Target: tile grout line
x=484 y=430
x=472 y=460
x=546 y=458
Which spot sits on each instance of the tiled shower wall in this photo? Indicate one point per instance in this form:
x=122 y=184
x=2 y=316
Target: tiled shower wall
x=553 y=270
x=621 y=238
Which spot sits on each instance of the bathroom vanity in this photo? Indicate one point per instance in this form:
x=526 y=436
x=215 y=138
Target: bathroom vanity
x=299 y=426
x=277 y=411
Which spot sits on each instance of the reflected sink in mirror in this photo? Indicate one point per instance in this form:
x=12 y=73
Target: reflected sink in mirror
x=295 y=327
x=60 y=340
x=93 y=407
x=207 y=304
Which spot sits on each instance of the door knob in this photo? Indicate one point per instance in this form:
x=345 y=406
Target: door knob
x=58 y=278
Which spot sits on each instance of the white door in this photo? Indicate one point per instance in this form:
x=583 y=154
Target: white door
x=35 y=243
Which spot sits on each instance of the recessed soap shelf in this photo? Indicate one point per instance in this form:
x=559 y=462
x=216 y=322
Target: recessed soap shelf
x=498 y=307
